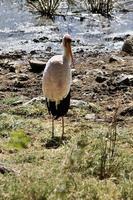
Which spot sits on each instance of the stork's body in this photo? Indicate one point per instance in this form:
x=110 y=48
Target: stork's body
x=57 y=81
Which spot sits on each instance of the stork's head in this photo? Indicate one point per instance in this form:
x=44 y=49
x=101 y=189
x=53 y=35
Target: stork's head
x=67 y=45
x=67 y=40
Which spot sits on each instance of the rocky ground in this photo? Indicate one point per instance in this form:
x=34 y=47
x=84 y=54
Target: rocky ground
x=102 y=79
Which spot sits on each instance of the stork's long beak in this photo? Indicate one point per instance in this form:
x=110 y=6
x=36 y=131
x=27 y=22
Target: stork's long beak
x=70 y=52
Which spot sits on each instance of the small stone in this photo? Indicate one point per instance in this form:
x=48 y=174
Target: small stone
x=127 y=111
x=100 y=79
x=77 y=82
x=11 y=76
x=18 y=84
x=114 y=58
x=23 y=77
x=124 y=79
x=37 y=65
x=73 y=70
x=82 y=19
x=96 y=72
x=36 y=40
x=118 y=38
x=12 y=68
x=48 y=49
x=78 y=103
x=90 y=116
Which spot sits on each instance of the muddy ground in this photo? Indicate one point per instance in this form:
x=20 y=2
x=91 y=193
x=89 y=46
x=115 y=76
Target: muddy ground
x=103 y=79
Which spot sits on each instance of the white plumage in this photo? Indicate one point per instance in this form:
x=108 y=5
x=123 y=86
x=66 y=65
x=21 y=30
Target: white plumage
x=56 y=79
x=56 y=82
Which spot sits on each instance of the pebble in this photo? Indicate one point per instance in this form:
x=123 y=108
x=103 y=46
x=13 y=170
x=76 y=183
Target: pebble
x=100 y=79
x=23 y=77
x=37 y=65
x=77 y=82
x=91 y=116
x=127 y=111
x=114 y=58
x=77 y=103
x=124 y=79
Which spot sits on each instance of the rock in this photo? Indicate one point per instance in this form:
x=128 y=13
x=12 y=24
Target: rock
x=114 y=58
x=82 y=19
x=78 y=103
x=18 y=84
x=100 y=79
x=73 y=70
x=33 y=52
x=16 y=66
x=37 y=66
x=118 y=38
x=96 y=72
x=77 y=82
x=11 y=76
x=124 y=79
x=90 y=116
x=127 y=111
x=42 y=39
x=48 y=49
x=128 y=45
x=23 y=77
x=12 y=68
x=110 y=108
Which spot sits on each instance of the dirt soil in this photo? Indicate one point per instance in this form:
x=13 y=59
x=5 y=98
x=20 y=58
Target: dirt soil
x=96 y=79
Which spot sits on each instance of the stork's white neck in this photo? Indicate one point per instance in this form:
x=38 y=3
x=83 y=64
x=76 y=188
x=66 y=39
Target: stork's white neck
x=67 y=57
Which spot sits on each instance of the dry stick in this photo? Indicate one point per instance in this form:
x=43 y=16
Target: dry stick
x=113 y=138
x=103 y=162
x=114 y=124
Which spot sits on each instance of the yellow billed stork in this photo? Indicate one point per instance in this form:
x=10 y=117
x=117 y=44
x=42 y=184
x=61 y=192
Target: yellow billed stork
x=56 y=82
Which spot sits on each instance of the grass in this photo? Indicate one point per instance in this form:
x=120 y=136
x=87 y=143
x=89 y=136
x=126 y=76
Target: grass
x=72 y=171
x=10 y=100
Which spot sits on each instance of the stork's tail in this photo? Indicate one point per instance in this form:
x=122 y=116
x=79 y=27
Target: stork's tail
x=60 y=109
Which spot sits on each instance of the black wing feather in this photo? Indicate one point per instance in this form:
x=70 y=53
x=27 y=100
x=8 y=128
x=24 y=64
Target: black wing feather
x=59 y=109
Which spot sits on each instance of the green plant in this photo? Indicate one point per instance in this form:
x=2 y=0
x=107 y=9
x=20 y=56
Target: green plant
x=18 y=139
x=108 y=149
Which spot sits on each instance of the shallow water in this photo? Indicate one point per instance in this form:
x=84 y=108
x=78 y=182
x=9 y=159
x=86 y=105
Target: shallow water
x=20 y=29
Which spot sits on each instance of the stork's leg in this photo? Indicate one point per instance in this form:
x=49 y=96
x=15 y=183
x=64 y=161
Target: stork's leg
x=62 y=127
x=52 y=127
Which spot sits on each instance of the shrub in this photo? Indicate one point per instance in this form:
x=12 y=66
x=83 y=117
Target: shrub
x=45 y=7
x=102 y=7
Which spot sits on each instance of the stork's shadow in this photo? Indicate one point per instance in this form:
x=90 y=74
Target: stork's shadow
x=55 y=142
